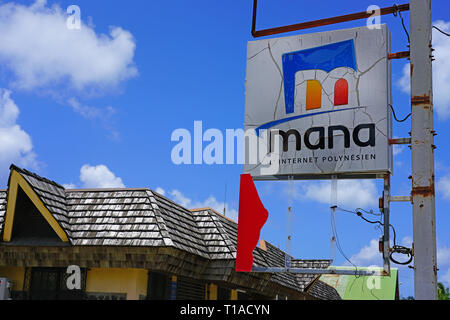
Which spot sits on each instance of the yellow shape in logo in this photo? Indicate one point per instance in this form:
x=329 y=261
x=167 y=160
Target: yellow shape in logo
x=313 y=95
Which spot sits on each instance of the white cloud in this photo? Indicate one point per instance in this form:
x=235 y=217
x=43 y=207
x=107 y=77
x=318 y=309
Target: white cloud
x=99 y=177
x=445 y=278
x=161 y=191
x=443 y=256
x=69 y=186
x=441 y=71
x=15 y=144
x=40 y=51
x=89 y=112
x=210 y=202
x=368 y=255
x=443 y=187
x=350 y=193
x=397 y=150
x=407 y=241
x=104 y=115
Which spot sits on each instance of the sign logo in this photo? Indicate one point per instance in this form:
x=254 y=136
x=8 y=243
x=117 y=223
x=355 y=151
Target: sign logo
x=326 y=58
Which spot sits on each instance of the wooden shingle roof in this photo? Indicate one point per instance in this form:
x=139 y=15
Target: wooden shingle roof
x=3 y=195
x=112 y=218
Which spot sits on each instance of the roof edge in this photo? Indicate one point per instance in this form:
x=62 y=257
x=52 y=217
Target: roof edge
x=34 y=175
x=211 y=209
x=107 y=189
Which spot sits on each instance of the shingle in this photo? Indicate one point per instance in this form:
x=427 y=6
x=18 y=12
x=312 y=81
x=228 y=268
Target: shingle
x=180 y=225
x=323 y=291
x=116 y=217
x=3 y=195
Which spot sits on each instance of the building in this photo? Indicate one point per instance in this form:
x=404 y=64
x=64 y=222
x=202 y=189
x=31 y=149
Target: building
x=131 y=244
x=351 y=287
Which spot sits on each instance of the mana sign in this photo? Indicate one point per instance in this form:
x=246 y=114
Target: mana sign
x=320 y=105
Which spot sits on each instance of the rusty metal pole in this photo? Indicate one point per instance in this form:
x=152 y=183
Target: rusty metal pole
x=386 y=236
x=422 y=145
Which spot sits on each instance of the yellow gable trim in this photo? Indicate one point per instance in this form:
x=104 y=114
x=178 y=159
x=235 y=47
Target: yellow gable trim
x=17 y=180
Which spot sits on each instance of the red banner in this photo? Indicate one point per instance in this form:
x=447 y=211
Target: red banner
x=252 y=217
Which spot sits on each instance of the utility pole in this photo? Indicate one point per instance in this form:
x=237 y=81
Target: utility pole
x=422 y=146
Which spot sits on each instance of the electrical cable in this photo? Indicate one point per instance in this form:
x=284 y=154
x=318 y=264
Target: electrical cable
x=395 y=116
x=369 y=212
x=400 y=249
x=338 y=244
x=399 y=13
x=396 y=248
x=441 y=31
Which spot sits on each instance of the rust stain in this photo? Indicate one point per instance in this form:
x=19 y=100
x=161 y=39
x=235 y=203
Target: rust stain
x=423 y=191
x=399 y=55
x=421 y=100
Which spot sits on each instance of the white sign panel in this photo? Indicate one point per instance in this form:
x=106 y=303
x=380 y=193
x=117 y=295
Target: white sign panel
x=318 y=105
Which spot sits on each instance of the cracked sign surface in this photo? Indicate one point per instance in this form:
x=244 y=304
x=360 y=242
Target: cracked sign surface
x=318 y=105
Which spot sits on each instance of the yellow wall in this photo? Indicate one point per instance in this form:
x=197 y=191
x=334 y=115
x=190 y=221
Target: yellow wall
x=211 y=291
x=133 y=282
x=16 y=274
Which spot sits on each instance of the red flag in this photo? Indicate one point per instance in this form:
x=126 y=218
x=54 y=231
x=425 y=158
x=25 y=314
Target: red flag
x=252 y=217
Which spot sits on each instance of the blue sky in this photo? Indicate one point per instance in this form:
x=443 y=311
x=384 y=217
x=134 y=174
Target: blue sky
x=98 y=109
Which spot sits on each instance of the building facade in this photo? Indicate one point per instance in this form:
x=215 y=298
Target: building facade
x=131 y=244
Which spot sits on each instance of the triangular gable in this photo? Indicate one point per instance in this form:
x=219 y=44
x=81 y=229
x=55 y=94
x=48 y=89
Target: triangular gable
x=15 y=181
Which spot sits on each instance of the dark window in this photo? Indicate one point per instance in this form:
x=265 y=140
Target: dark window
x=29 y=224
x=190 y=289
x=51 y=284
x=243 y=296
x=223 y=294
x=158 y=286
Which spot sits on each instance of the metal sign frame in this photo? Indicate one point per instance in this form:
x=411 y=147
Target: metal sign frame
x=320 y=22
x=386 y=199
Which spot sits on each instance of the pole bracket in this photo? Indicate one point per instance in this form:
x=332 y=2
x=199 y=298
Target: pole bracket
x=319 y=271
x=400 y=199
x=399 y=55
x=400 y=141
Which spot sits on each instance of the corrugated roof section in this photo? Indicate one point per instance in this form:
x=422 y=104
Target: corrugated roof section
x=3 y=195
